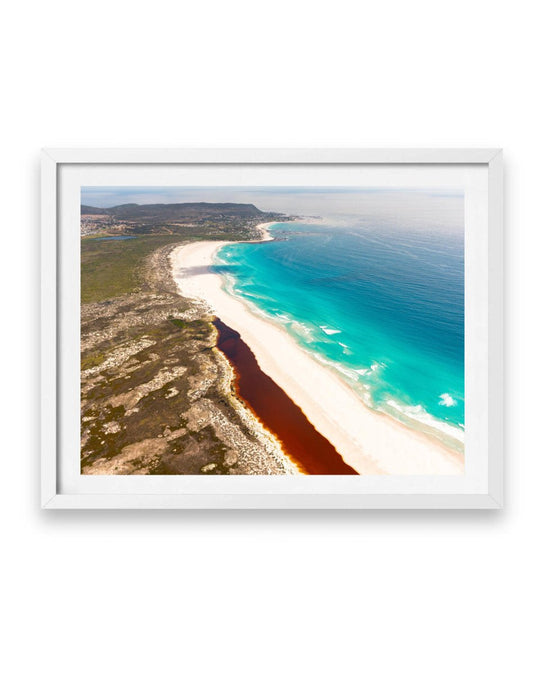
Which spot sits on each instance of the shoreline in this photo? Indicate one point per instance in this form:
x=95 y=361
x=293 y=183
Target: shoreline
x=369 y=441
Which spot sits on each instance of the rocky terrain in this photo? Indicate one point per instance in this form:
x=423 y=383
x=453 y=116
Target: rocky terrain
x=156 y=395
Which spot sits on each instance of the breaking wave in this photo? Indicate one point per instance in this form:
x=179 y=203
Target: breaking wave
x=418 y=414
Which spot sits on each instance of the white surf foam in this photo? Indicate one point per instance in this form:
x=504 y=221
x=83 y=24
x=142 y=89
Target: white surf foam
x=418 y=414
x=284 y=317
x=447 y=400
x=346 y=349
x=368 y=371
x=301 y=329
x=329 y=331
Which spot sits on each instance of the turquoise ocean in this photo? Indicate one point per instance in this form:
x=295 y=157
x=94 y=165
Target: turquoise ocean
x=382 y=307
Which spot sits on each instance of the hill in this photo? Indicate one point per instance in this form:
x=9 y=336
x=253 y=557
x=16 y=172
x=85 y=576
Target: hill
x=185 y=212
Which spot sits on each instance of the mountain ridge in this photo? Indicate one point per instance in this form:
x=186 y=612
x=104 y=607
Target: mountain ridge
x=173 y=211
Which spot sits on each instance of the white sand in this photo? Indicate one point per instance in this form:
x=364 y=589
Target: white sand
x=370 y=442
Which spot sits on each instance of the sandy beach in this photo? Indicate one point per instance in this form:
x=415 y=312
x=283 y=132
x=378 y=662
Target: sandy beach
x=368 y=441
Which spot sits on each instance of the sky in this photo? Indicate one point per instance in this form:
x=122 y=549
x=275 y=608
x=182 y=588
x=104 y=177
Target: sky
x=430 y=208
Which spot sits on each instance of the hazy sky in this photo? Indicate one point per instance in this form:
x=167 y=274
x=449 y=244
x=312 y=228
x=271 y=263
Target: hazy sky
x=433 y=208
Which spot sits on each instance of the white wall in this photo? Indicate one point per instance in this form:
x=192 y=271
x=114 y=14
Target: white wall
x=268 y=592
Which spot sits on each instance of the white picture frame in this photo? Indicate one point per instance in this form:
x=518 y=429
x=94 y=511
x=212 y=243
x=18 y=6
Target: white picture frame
x=486 y=492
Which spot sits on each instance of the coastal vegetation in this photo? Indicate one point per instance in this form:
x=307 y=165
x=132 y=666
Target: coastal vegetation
x=156 y=396
x=110 y=268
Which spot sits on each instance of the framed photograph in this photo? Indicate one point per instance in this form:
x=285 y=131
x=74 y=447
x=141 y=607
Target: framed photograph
x=265 y=328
